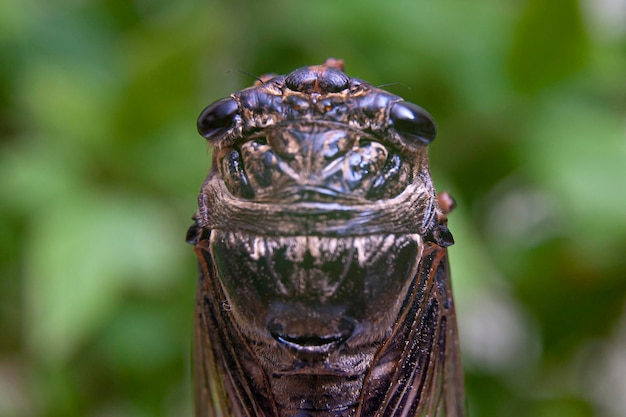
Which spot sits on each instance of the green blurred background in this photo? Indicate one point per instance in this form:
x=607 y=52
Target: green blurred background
x=100 y=165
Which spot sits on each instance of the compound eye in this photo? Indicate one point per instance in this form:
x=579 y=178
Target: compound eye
x=413 y=122
x=217 y=118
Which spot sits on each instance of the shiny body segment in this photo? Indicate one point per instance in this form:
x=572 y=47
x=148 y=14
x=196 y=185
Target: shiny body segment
x=324 y=284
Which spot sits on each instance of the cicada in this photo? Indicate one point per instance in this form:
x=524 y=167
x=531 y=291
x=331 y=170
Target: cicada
x=324 y=286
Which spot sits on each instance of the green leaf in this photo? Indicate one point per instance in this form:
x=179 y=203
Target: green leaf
x=84 y=254
x=550 y=44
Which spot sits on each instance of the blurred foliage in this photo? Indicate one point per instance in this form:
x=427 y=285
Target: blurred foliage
x=100 y=165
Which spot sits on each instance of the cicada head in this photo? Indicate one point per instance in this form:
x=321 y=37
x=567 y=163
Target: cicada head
x=317 y=135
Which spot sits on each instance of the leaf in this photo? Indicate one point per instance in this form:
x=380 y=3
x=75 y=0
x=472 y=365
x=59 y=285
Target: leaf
x=84 y=254
x=550 y=44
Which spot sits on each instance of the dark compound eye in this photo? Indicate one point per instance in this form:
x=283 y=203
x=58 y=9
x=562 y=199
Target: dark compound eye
x=413 y=122
x=217 y=118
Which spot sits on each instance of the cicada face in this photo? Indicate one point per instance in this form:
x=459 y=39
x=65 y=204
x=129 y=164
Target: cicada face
x=324 y=288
